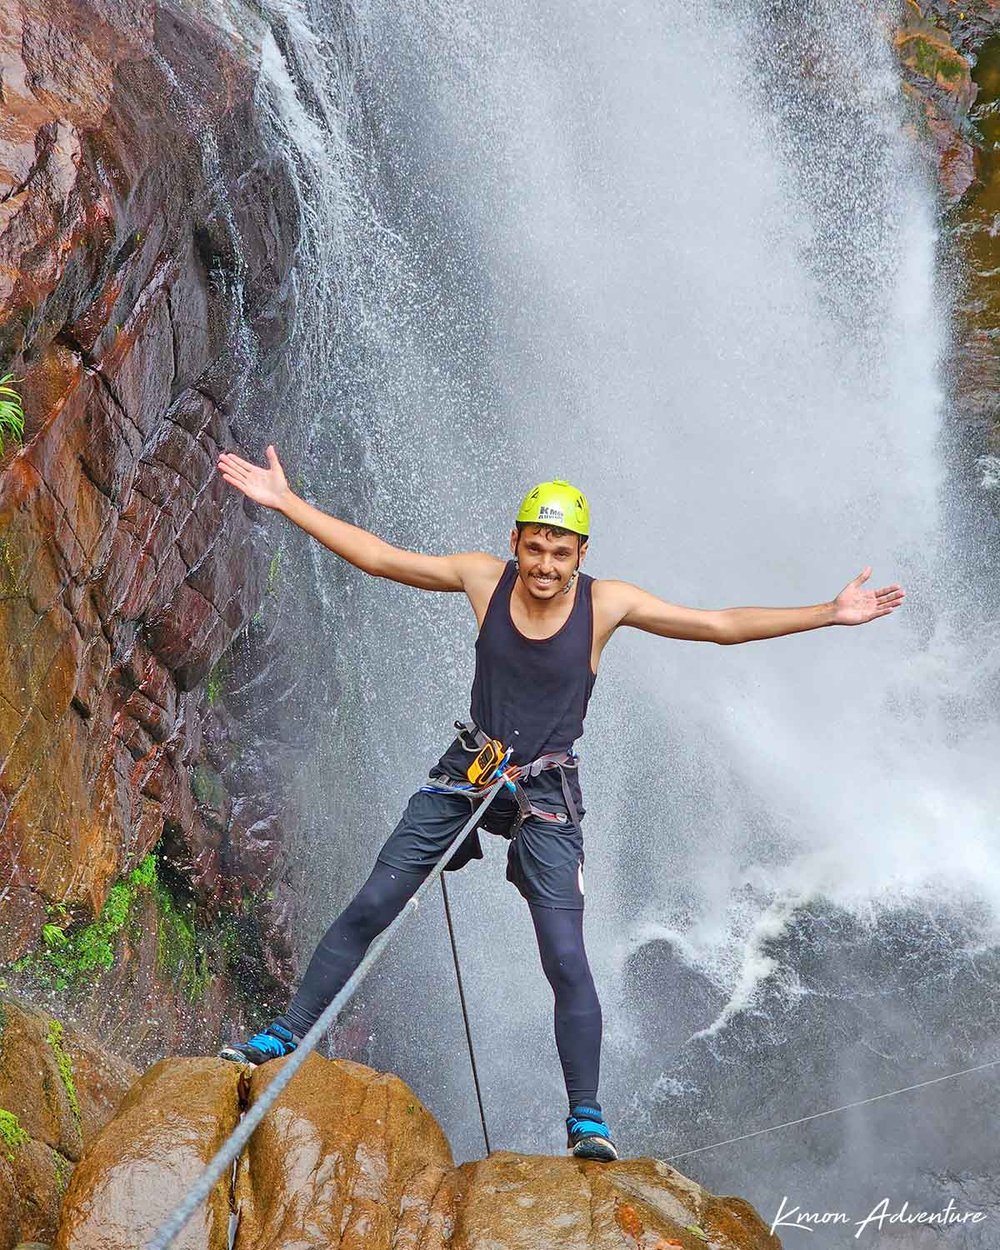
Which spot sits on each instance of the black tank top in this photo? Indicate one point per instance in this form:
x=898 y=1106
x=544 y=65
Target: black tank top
x=532 y=693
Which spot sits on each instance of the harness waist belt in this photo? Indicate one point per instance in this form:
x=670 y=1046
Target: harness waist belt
x=525 y=808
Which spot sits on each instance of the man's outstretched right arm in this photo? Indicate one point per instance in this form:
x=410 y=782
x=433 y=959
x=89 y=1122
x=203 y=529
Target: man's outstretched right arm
x=364 y=550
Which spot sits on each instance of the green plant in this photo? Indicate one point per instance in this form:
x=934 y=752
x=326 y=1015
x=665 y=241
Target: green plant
x=144 y=874
x=179 y=950
x=11 y=411
x=66 y=956
x=214 y=681
x=53 y=936
x=12 y=1134
x=64 y=1170
x=272 y=571
x=56 y=1037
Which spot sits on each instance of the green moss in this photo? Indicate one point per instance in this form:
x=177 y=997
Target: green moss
x=214 y=681
x=272 y=572
x=12 y=1135
x=271 y=589
x=933 y=60
x=179 y=949
x=67 y=957
x=144 y=875
x=70 y=959
x=207 y=786
x=55 y=1037
x=64 y=1170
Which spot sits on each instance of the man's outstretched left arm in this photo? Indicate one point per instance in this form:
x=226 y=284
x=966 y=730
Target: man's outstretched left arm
x=628 y=605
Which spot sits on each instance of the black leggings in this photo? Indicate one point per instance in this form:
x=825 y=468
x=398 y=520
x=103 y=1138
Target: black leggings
x=559 y=932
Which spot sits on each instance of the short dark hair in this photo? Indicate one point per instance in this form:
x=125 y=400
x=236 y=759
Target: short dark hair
x=550 y=531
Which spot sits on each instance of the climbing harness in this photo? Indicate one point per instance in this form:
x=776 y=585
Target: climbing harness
x=223 y=1159
x=489 y=764
x=492 y=762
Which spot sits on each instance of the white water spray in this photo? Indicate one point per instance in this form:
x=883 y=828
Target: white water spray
x=691 y=267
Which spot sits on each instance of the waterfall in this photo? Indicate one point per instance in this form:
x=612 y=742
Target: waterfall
x=687 y=257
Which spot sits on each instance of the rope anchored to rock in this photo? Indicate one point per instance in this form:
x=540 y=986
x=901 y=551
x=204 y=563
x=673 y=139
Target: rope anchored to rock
x=234 y=1143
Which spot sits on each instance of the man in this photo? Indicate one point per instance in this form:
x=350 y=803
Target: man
x=543 y=625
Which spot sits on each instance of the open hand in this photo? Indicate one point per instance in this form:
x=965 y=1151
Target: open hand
x=854 y=606
x=264 y=486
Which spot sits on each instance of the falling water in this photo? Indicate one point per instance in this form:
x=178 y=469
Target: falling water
x=687 y=257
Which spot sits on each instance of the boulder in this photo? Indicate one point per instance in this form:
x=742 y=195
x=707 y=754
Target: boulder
x=349 y=1159
x=346 y=1156
x=139 y=1166
x=58 y=1088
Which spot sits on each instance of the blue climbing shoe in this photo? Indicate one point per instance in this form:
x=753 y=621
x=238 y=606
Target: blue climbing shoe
x=274 y=1043
x=588 y=1136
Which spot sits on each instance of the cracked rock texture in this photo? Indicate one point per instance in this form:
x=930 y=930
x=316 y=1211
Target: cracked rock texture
x=350 y=1159
x=148 y=228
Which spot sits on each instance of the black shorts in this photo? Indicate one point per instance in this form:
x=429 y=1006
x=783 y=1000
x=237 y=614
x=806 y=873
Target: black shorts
x=544 y=859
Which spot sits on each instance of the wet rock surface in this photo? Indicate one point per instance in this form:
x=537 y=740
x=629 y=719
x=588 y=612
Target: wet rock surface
x=935 y=53
x=349 y=1150
x=349 y=1158
x=169 y=1126
x=58 y=1088
x=951 y=56
x=148 y=230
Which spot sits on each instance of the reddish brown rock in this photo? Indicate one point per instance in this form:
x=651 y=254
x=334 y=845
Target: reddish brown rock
x=937 y=77
x=139 y=1167
x=10 y=1207
x=136 y=264
x=533 y=1202
x=161 y=996
x=966 y=127
x=40 y=1177
x=349 y=1159
x=59 y=1110
x=345 y=1153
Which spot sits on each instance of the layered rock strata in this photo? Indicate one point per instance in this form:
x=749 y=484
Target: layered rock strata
x=148 y=229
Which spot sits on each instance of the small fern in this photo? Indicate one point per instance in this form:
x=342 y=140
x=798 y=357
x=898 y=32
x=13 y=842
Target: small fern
x=11 y=411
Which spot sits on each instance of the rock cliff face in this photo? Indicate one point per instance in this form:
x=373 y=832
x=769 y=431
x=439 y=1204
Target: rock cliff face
x=950 y=54
x=148 y=229
x=348 y=1158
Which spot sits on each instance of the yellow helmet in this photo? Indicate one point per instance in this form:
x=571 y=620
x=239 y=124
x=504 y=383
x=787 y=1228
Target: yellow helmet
x=556 y=503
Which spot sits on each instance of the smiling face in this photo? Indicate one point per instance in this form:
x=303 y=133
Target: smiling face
x=547 y=558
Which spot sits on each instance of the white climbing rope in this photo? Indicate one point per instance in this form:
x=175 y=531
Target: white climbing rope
x=238 y=1138
x=818 y=1115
